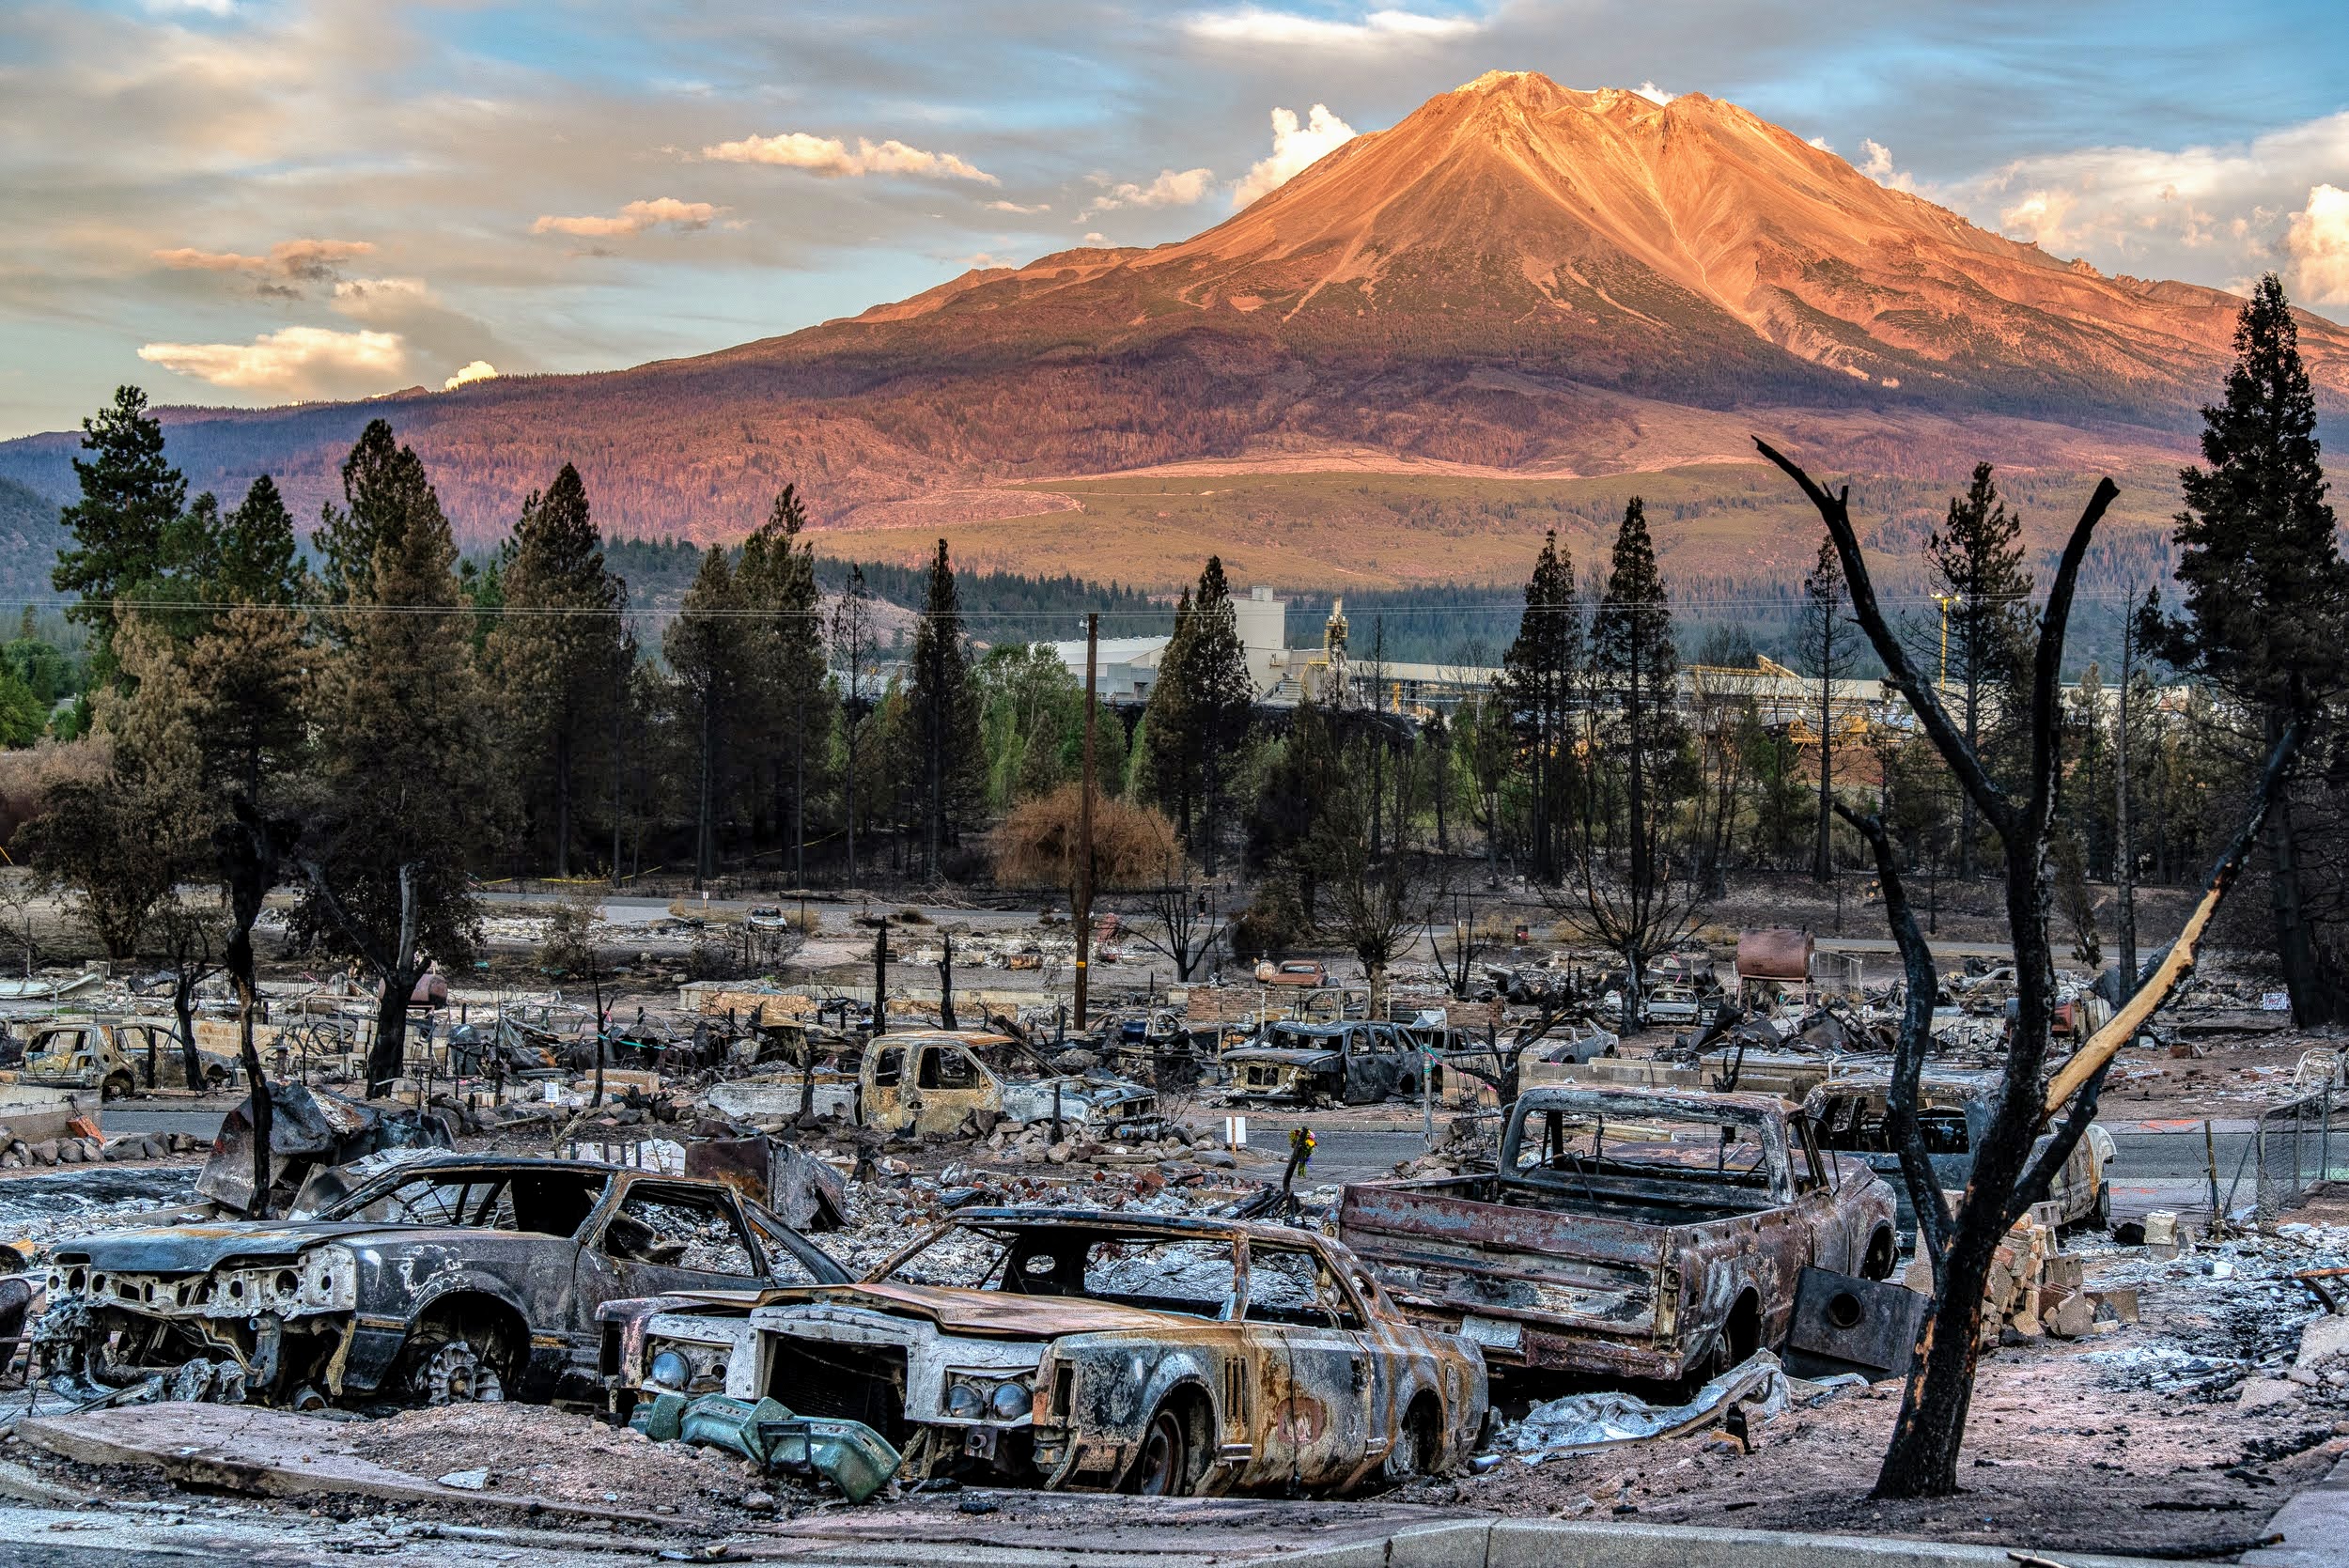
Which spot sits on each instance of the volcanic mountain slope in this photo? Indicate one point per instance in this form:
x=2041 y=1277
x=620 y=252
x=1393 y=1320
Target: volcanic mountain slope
x=1516 y=277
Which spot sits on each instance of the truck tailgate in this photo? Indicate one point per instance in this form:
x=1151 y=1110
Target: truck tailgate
x=1448 y=1255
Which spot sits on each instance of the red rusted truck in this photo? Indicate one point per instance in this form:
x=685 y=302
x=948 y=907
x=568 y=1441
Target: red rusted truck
x=1633 y=1232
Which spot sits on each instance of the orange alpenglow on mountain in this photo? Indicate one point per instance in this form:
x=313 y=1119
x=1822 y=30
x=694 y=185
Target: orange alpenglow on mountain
x=1518 y=277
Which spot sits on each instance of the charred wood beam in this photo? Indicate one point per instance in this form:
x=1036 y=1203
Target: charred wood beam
x=2093 y=1057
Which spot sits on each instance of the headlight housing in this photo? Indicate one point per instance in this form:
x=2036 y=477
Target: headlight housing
x=983 y=1396
x=670 y=1370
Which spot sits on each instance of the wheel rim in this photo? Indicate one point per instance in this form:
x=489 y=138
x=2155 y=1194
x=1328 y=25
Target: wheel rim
x=1162 y=1456
x=454 y=1374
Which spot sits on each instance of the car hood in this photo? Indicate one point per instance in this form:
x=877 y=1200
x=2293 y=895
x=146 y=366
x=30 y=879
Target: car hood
x=189 y=1249
x=998 y=1313
x=1284 y=1056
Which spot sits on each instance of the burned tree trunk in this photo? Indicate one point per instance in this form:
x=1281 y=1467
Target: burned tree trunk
x=1922 y=1459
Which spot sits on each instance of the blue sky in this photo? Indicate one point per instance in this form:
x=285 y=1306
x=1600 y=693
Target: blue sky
x=251 y=201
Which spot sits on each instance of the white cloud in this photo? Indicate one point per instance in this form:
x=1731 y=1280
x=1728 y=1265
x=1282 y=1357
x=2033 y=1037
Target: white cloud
x=1096 y=239
x=1294 y=148
x=1014 y=207
x=2319 y=242
x=1880 y=166
x=293 y=362
x=833 y=158
x=1255 y=25
x=480 y=370
x=381 y=301
x=209 y=8
x=2217 y=211
x=1655 y=94
x=636 y=217
x=1172 y=188
x=1820 y=143
x=304 y=260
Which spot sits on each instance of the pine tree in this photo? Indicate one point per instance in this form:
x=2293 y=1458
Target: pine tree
x=560 y=662
x=944 y=709
x=1167 y=722
x=131 y=498
x=406 y=789
x=1828 y=643
x=1976 y=556
x=1536 y=685
x=707 y=646
x=256 y=561
x=778 y=585
x=2266 y=612
x=1640 y=742
x=384 y=485
x=853 y=648
x=1222 y=699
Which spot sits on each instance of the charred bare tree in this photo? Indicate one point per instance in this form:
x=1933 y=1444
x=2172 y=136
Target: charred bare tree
x=1459 y=965
x=251 y=848
x=1922 y=1460
x=401 y=966
x=1186 y=926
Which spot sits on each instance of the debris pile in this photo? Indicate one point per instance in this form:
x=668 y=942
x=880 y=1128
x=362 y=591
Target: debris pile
x=2036 y=1290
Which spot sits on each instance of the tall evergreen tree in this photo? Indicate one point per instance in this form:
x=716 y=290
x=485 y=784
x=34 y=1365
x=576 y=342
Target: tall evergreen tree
x=2266 y=612
x=943 y=703
x=707 y=646
x=1537 y=683
x=1641 y=744
x=778 y=585
x=1222 y=698
x=131 y=499
x=257 y=560
x=1171 y=784
x=1976 y=557
x=854 y=645
x=1829 y=644
x=405 y=787
x=559 y=660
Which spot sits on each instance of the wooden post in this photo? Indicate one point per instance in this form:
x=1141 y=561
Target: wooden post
x=1084 y=828
x=880 y=977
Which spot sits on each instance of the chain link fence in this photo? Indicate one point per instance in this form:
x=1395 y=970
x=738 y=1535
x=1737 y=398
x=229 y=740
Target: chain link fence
x=2292 y=1149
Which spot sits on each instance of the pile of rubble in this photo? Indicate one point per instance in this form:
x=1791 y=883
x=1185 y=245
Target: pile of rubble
x=1033 y=1145
x=2037 y=1290
x=89 y=1148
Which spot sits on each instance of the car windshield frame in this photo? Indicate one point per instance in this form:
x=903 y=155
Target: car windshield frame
x=345 y=1211
x=1028 y=1242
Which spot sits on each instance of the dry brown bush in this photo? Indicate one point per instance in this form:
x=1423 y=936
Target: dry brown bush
x=1037 y=845
x=26 y=777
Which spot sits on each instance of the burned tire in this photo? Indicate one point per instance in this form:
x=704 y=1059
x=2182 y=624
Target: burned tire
x=120 y=1086
x=1173 y=1456
x=453 y=1363
x=1883 y=1252
x=1418 y=1443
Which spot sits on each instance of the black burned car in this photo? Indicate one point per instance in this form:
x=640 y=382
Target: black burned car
x=440 y=1280
x=1360 y=1062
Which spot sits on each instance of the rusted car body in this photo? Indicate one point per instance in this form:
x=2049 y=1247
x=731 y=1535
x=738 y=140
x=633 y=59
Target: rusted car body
x=1072 y=1349
x=1357 y=1063
x=117 y=1059
x=439 y=1279
x=1308 y=973
x=1629 y=1232
x=936 y=1081
x=1953 y=1112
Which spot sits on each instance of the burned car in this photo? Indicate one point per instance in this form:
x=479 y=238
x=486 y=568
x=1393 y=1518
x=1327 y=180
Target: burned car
x=1953 y=1110
x=1073 y=1349
x=936 y=1081
x=441 y=1279
x=1654 y=1234
x=1361 y=1061
x=117 y=1059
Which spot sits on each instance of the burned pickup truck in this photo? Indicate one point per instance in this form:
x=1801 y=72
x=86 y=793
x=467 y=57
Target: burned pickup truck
x=1629 y=1233
x=441 y=1281
x=1953 y=1110
x=1072 y=1349
x=1361 y=1061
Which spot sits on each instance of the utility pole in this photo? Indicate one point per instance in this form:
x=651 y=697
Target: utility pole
x=1084 y=827
x=2123 y=850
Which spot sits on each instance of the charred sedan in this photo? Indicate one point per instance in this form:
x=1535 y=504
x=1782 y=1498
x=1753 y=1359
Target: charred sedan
x=440 y=1280
x=1358 y=1063
x=1081 y=1350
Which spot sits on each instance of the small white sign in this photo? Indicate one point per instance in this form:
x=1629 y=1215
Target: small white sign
x=2275 y=1002
x=1235 y=1132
